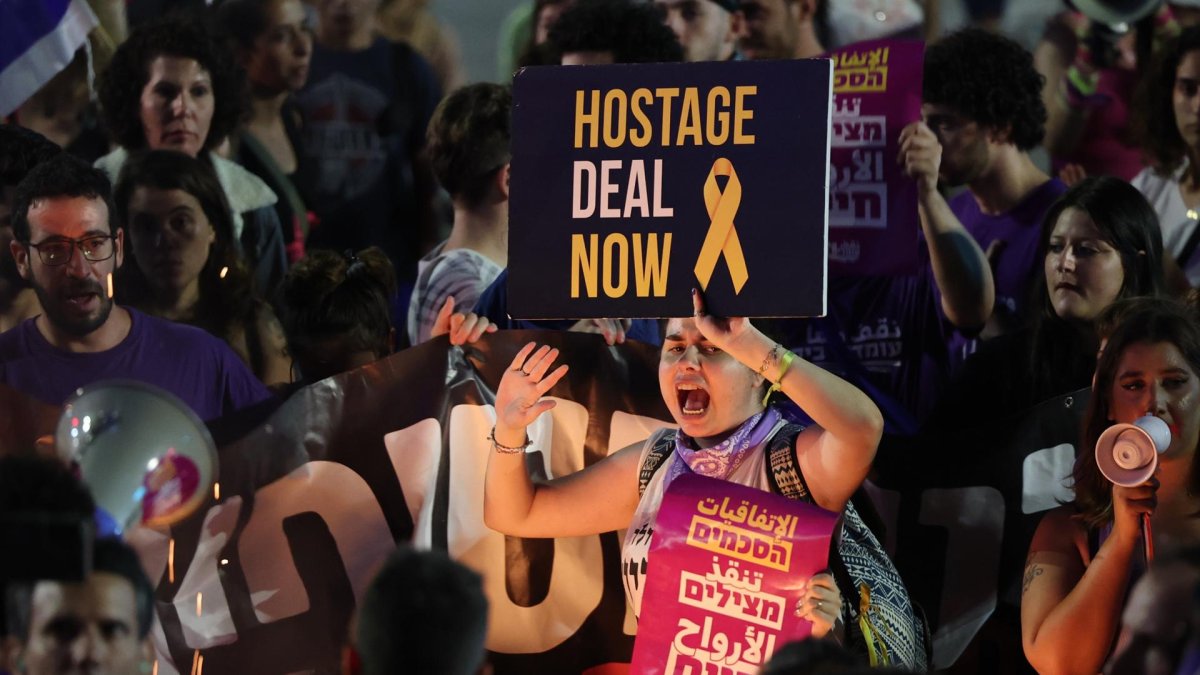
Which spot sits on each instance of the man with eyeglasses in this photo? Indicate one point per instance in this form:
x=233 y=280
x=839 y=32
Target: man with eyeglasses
x=64 y=246
x=707 y=29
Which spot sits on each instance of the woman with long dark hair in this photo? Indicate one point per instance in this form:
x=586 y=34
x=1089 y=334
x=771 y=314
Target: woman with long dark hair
x=185 y=265
x=1166 y=121
x=1100 y=243
x=1085 y=554
x=272 y=42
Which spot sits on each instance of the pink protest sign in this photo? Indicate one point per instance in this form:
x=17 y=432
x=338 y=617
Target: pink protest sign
x=724 y=572
x=873 y=226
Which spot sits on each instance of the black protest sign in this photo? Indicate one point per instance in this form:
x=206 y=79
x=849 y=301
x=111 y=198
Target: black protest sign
x=632 y=184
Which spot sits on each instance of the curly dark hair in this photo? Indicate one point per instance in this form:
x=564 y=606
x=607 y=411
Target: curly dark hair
x=1128 y=223
x=183 y=36
x=468 y=139
x=989 y=79
x=1134 y=321
x=1153 y=119
x=227 y=300
x=633 y=31
x=62 y=175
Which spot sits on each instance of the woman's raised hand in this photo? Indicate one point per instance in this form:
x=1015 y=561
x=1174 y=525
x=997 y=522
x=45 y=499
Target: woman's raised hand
x=519 y=398
x=726 y=333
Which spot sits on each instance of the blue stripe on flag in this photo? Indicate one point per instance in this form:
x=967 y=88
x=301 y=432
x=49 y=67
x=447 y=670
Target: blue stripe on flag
x=24 y=22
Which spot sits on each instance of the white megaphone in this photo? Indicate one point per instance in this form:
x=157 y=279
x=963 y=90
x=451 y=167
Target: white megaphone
x=147 y=458
x=1127 y=454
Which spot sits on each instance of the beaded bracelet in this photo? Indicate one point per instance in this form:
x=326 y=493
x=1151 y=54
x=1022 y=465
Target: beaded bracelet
x=504 y=449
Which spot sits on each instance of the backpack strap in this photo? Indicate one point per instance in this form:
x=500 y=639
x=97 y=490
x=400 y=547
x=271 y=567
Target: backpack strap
x=653 y=461
x=783 y=475
x=867 y=629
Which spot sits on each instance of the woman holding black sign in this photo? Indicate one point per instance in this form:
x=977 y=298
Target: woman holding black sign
x=715 y=375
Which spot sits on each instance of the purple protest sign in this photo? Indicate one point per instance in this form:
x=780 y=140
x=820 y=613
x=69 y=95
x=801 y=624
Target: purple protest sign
x=724 y=572
x=873 y=223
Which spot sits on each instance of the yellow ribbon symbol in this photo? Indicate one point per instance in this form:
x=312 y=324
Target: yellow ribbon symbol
x=722 y=235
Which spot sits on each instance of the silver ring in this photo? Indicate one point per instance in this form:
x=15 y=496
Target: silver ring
x=820 y=604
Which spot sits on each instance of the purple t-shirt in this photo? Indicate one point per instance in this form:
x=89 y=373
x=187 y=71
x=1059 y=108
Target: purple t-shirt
x=1016 y=267
x=186 y=361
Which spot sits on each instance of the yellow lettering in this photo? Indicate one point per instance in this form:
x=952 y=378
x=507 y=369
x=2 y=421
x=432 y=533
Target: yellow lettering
x=642 y=139
x=588 y=120
x=650 y=269
x=583 y=259
x=717 y=137
x=667 y=94
x=689 y=118
x=742 y=114
x=614 y=121
x=616 y=240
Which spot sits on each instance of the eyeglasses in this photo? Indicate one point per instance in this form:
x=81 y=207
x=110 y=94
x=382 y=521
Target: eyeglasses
x=55 y=252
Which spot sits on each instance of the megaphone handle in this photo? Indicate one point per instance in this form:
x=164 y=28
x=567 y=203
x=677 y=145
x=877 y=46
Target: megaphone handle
x=1147 y=539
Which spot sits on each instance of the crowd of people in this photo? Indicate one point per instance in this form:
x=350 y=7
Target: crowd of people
x=267 y=193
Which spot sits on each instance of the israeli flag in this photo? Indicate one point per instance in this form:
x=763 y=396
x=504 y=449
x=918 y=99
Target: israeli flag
x=38 y=38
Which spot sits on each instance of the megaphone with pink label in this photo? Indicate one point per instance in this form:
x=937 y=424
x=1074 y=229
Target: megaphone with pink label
x=1127 y=455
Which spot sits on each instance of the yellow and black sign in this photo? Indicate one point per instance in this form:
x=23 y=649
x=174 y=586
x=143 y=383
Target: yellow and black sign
x=632 y=185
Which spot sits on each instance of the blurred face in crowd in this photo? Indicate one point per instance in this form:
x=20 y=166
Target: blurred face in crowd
x=279 y=60
x=771 y=30
x=1084 y=273
x=83 y=628
x=706 y=31
x=1186 y=99
x=73 y=290
x=177 y=105
x=965 y=152
x=346 y=17
x=1155 y=623
x=546 y=19
x=708 y=392
x=171 y=238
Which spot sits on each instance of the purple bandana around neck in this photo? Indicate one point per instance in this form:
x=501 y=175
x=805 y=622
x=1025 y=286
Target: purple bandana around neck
x=723 y=458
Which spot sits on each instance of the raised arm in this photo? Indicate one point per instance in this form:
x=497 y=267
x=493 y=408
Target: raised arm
x=600 y=498
x=1070 y=611
x=960 y=267
x=834 y=455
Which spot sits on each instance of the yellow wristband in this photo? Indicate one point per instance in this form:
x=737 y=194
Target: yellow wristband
x=785 y=363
